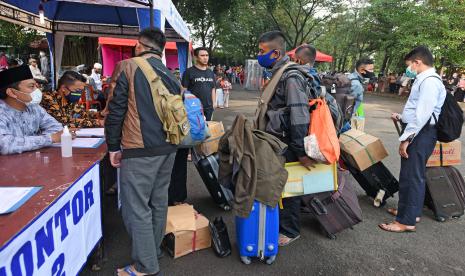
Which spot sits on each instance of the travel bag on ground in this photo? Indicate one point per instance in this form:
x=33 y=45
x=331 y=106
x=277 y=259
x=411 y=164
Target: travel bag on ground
x=258 y=234
x=377 y=181
x=220 y=237
x=208 y=170
x=445 y=192
x=335 y=211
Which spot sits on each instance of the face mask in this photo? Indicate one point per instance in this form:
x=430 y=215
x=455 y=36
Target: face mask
x=265 y=60
x=368 y=75
x=74 y=96
x=36 y=97
x=409 y=73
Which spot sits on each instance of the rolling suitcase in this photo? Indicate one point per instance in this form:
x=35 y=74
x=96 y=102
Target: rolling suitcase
x=208 y=170
x=445 y=192
x=377 y=181
x=335 y=211
x=258 y=234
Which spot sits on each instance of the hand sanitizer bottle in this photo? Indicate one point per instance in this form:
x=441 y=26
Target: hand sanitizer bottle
x=66 y=143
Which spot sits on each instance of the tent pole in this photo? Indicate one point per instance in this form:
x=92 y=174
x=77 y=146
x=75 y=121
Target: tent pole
x=151 y=13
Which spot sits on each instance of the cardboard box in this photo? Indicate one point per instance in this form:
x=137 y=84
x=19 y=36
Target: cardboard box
x=361 y=150
x=186 y=231
x=301 y=181
x=210 y=146
x=358 y=123
x=451 y=154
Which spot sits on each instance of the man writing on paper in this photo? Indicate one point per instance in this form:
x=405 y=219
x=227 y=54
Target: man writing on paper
x=24 y=124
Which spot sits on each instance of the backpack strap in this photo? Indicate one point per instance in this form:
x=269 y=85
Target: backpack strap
x=433 y=115
x=265 y=98
x=156 y=85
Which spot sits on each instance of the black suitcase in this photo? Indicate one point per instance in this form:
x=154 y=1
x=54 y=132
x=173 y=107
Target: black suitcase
x=208 y=170
x=220 y=237
x=376 y=180
x=445 y=192
x=335 y=211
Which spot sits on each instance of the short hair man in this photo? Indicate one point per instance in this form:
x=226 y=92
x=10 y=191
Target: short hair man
x=306 y=55
x=64 y=104
x=200 y=81
x=137 y=144
x=36 y=71
x=24 y=125
x=290 y=101
x=364 y=69
x=418 y=139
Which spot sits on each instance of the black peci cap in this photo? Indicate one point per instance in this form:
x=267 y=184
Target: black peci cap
x=14 y=75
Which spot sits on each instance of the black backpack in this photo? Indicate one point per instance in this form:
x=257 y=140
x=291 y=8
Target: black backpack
x=450 y=121
x=313 y=92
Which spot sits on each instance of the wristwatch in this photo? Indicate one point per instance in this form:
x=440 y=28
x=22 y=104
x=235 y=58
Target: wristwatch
x=410 y=138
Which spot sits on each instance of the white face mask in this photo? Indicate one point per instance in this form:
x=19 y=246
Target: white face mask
x=36 y=97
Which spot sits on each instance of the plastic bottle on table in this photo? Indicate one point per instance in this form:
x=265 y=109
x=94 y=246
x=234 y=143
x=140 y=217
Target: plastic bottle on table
x=66 y=143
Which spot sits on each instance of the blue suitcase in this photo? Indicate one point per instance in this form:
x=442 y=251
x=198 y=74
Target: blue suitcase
x=257 y=235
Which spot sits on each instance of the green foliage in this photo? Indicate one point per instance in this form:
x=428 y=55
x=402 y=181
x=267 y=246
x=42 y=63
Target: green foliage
x=17 y=36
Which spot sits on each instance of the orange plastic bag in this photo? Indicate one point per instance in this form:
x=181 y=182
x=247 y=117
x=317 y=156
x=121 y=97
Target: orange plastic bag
x=322 y=143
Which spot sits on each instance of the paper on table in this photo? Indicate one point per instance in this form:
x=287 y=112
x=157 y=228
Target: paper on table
x=87 y=143
x=11 y=198
x=90 y=132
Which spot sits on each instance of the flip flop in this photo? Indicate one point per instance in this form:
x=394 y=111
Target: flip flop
x=393 y=211
x=128 y=270
x=389 y=228
x=289 y=241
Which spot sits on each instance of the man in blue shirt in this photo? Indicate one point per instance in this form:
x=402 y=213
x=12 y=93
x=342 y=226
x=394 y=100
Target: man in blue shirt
x=418 y=139
x=363 y=70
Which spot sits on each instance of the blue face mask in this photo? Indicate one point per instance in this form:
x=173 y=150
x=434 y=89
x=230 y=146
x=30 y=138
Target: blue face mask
x=265 y=60
x=74 y=96
x=409 y=73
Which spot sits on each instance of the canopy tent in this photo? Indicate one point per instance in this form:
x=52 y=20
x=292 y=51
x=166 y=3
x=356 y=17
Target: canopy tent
x=117 y=49
x=114 y=18
x=320 y=57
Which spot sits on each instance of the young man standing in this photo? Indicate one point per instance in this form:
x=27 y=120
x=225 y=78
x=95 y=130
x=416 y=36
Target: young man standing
x=363 y=70
x=289 y=101
x=137 y=144
x=306 y=55
x=418 y=139
x=200 y=81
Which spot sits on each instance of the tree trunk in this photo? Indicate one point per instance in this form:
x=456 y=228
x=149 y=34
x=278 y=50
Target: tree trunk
x=385 y=61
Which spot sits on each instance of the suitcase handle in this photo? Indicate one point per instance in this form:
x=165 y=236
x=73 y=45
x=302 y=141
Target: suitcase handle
x=318 y=206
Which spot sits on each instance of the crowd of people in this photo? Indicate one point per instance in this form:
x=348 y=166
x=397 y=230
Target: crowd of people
x=153 y=172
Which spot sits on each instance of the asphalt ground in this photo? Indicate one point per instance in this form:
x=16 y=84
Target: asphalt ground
x=436 y=249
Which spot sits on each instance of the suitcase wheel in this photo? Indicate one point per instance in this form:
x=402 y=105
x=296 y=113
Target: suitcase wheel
x=226 y=207
x=271 y=260
x=441 y=219
x=246 y=260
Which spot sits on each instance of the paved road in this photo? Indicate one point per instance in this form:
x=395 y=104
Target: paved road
x=436 y=249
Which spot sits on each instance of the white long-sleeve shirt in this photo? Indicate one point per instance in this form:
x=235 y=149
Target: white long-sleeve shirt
x=427 y=96
x=97 y=79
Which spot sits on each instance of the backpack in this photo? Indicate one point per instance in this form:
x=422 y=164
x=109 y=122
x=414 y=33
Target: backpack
x=195 y=116
x=450 y=121
x=314 y=93
x=337 y=84
x=170 y=108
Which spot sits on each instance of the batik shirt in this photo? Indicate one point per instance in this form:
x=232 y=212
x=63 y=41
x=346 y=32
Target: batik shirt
x=26 y=130
x=70 y=114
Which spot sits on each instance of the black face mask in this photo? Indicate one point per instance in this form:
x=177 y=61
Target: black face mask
x=368 y=75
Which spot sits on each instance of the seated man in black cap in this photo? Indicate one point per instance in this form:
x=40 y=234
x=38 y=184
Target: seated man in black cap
x=24 y=124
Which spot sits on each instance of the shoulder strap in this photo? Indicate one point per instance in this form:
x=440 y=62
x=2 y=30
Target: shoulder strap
x=271 y=86
x=156 y=86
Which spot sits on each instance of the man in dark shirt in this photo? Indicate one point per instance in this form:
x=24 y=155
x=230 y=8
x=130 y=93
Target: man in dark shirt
x=200 y=81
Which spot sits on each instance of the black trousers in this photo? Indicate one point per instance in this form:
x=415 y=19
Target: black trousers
x=289 y=217
x=177 y=191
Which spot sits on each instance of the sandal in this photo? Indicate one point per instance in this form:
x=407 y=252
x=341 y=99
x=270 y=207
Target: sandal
x=396 y=227
x=285 y=240
x=131 y=271
x=393 y=211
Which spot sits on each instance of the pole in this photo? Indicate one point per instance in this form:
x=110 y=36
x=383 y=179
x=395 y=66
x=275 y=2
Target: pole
x=151 y=13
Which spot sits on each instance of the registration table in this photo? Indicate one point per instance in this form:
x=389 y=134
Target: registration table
x=54 y=232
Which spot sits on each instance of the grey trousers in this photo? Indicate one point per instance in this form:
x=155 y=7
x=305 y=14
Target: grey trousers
x=144 y=183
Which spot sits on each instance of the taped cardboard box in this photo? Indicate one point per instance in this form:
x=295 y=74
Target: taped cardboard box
x=361 y=150
x=451 y=154
x=210 y=146
x=301 y=181
x=186 y=231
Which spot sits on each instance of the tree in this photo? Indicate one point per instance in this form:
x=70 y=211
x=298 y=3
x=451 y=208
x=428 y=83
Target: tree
x=17 y=36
